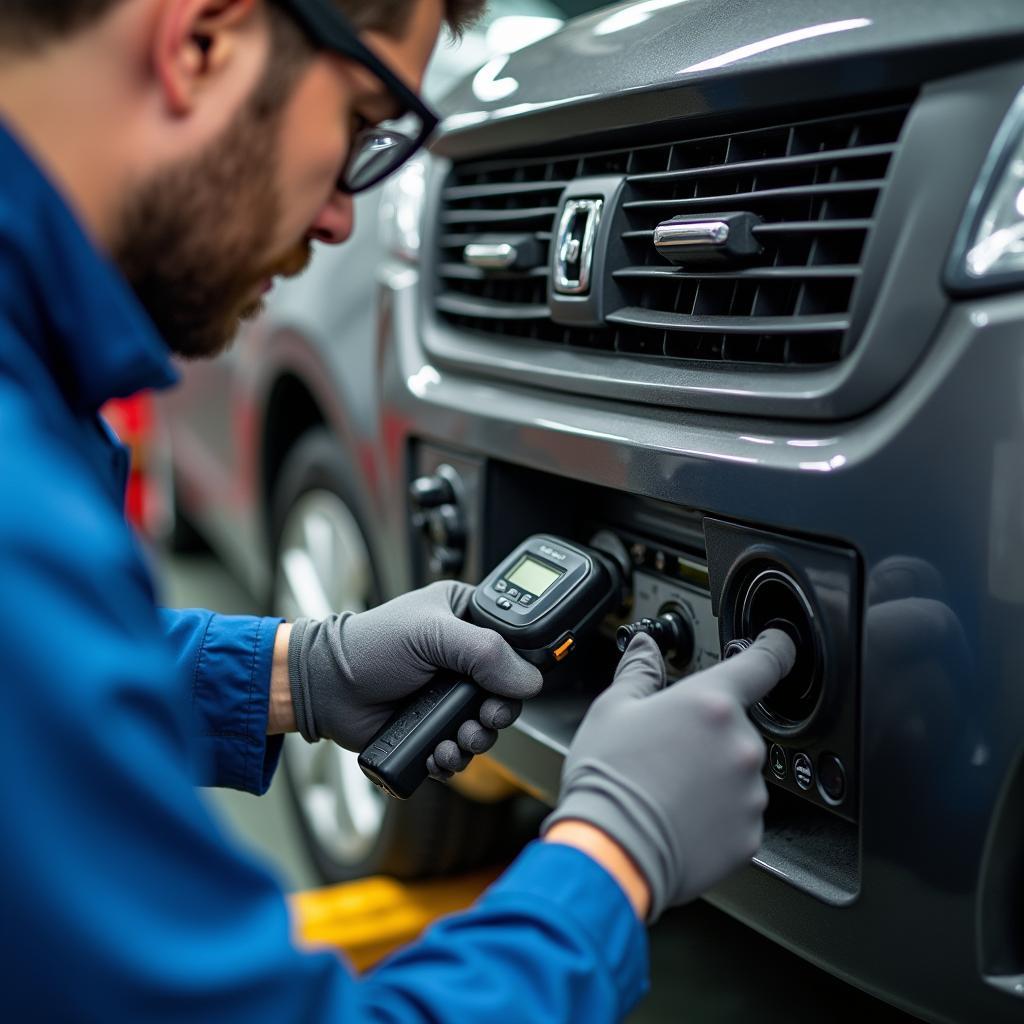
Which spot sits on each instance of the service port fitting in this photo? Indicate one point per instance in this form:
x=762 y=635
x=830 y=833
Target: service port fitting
x=670 y=631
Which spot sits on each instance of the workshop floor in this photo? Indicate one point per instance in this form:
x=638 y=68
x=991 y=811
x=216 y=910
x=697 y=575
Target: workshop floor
x=707 y=969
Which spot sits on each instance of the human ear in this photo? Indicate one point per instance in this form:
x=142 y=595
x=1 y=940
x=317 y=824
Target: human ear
x=194 y=41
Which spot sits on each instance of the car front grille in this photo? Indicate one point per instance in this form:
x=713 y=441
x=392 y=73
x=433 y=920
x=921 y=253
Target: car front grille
x=814 y=182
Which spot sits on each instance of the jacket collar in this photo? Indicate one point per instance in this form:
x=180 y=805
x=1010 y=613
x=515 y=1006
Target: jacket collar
x=65 y=297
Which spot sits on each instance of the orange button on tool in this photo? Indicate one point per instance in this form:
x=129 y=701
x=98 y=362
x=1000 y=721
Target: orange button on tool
x=562 y=651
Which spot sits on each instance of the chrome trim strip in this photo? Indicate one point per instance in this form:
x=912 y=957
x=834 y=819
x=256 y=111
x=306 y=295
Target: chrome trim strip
x=671 y=235
x=490 y=255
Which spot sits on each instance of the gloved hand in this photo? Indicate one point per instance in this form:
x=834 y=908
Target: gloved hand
x=674 y=775
x=349 y=673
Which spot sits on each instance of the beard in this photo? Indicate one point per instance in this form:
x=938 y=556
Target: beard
x=192 y=239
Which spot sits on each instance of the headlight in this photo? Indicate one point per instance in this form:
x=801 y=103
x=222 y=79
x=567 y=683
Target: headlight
x=401 y=210
x=989 y=250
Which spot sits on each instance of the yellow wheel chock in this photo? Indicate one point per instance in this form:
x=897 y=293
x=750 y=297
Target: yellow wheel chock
x=371 y=917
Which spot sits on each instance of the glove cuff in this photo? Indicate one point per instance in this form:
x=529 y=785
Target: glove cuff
x=298 y=678
x=611 y=804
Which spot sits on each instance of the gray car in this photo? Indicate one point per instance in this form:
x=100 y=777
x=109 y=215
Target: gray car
x=738 y=283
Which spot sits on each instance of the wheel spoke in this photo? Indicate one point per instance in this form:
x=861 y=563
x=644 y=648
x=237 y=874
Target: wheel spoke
x=299 y=571
x=324 y=567
x=301 y=759
x=318 y=536
x=365 y=803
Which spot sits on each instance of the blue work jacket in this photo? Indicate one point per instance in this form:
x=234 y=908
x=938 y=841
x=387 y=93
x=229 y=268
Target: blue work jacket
x=122 y=898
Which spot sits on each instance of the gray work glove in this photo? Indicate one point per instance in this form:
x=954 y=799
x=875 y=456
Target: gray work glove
x=349 y=673
x=674 y=775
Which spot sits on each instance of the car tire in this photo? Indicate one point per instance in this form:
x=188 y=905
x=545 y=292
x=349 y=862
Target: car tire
x=180 y=536
x=323 y=563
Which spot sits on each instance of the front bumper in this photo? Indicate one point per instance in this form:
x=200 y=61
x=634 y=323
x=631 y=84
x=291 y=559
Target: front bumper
x=933 y=478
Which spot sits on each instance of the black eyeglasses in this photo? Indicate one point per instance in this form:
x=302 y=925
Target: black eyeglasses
x=380 y=150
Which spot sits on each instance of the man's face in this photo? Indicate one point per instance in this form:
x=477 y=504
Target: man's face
x=202 y=241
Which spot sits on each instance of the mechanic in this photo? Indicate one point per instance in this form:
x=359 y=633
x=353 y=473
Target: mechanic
x=162 y=162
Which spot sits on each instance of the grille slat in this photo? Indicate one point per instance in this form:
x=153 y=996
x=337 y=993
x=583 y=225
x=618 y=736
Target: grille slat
x=741 y=200
x=462 y=192
x=464 y=273
x=813 y=181
x=813 y=227
x=770 y=164
x=749 y=274
x=463 y=305
x=790 y=227
x=541 y=213
x=459 y=240
x=634 y=316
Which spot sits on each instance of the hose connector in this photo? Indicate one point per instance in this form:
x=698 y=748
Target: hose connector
x=670 y=631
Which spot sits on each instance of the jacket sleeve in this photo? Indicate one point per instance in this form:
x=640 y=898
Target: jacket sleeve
x=122 y=898
x=224 y=662
x=553 y=940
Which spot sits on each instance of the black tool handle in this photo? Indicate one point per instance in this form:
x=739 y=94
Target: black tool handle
x=396 y=758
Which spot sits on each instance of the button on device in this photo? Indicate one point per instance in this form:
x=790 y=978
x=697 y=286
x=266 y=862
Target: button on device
x=831 y=778
x=563 y=649
x=777 y=761
x=514 y=592
x=803 y=771
x=526 y=599
x=504 y=603
x=501 y=586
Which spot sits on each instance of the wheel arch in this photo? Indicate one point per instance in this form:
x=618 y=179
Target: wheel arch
x=292 y=411
x=302 y=385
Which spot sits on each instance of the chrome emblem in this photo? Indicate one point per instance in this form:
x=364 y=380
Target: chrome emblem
x=574 y=245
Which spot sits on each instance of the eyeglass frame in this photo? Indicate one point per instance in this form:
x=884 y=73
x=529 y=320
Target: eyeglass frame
x=329 y=29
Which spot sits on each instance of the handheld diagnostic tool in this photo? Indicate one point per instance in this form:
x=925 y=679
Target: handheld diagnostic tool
x=542 y=599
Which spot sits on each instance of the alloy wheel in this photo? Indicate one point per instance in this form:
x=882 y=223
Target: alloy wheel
x=324 y=567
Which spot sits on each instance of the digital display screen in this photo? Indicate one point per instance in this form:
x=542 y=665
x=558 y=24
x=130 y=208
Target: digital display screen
x=533 y=576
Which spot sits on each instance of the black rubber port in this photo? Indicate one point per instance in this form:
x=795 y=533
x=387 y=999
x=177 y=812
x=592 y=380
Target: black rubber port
x=681 y=652
x=773 y=600
x=671 y=631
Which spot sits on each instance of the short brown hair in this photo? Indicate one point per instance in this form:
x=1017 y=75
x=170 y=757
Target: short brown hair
x=384 y=14
x=32 y=23
x=291 y=49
